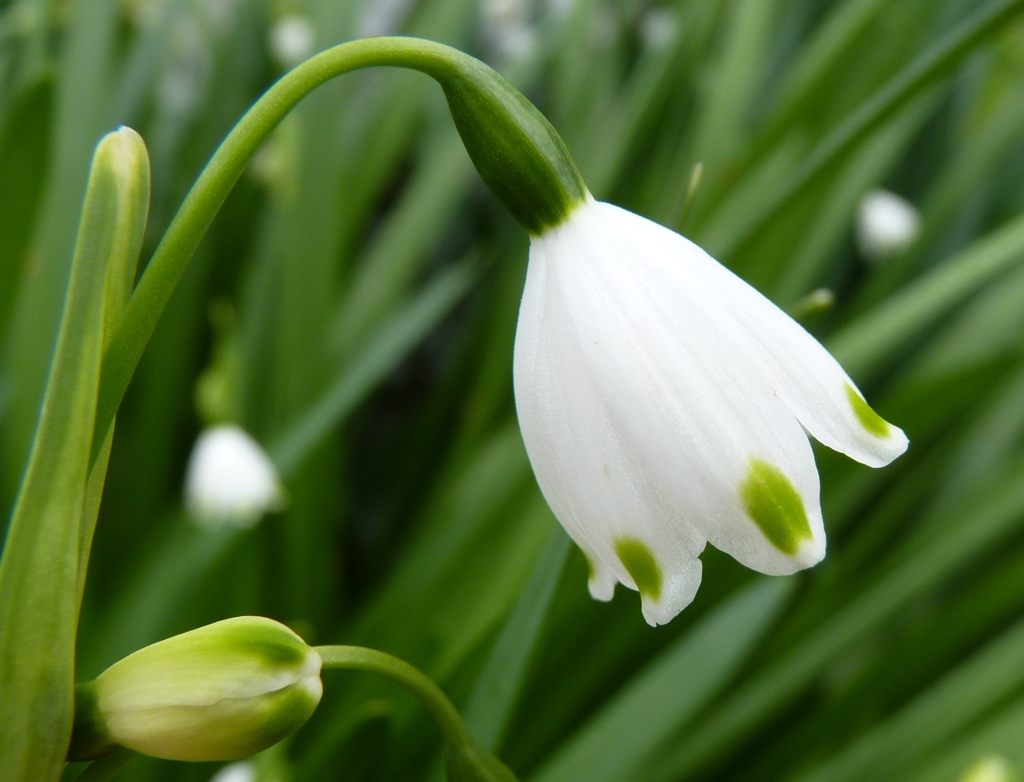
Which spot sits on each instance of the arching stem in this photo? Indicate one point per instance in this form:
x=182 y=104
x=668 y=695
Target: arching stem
x=517 y=152
x=418 y=684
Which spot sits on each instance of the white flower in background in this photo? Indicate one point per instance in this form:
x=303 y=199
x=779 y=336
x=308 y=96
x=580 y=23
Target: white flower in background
x=560 y=9
x=223 y=14
x=182 y=83
x=886 y=224
x=507 y=26
x=993 y=768
x=665 y=404
x=382 y=17
x=291 y=40
x=659 y=27
x=236 y=772
x=230 y=478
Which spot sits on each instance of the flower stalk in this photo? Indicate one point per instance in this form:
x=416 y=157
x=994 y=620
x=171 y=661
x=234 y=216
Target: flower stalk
x=465 y=759
x=515 y=149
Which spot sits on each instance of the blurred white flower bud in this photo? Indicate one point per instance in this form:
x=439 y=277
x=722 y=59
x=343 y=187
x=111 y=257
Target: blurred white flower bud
x=236 y=772
x=291 y=40
x=382 y=17
x=223 y=14
x=560 y=9
x=992 y=768
x=183 y=80
x=658 y=27
x=221 y=692
x=507 y=26
x=230 y=478
x=886 y=224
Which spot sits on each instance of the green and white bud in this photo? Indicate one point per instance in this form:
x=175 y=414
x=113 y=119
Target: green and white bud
x=221 y=692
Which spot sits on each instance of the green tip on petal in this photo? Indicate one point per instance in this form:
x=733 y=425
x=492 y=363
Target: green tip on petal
x=775 y=506
x=872 y=422
x=641 y=565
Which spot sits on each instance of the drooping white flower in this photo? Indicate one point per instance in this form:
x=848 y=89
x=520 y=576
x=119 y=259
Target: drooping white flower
x=665 y=404
x=230 y=478
x=292 y=39
x=886 y=224
x=236 y=772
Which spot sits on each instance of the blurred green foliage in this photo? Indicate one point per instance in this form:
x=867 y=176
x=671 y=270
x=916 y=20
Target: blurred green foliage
x=354 y=305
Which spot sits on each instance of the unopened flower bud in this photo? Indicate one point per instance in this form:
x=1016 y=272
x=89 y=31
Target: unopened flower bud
x=292 y=40
x=230 y=478
x=886 y=224
x=236 y=772
x=222 y=692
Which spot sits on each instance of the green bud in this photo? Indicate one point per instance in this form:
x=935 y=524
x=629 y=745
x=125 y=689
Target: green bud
x=519 y=155
x=221 y=692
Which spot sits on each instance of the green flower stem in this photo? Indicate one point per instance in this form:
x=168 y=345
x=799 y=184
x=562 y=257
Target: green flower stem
x=466 y=760
x=516 y=151
x=357 y=658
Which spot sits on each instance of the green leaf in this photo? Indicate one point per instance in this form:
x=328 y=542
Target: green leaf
x=896 y=745
x=80 y=118
x=864 y=345
x=987 y=517
x=496 y=691
x=613 y=745
x=930 y=66
x=373 y=362
x=48 y=540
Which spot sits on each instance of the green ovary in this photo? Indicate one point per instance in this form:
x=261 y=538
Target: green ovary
x=641 y=565
x=775 y=506
x=872 y=422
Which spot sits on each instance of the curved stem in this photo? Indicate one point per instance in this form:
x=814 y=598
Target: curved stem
x=357 y=658
x=200 y=206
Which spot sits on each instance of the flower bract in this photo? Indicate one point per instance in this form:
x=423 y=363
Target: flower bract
x=665 y=404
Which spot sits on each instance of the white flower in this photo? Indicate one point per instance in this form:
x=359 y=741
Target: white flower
x=382 y=17
x=664 y=403
x=886 y=224
x=292 y=39
x=230 y=478
x=236 y=772
x=992 y=768
x=659 y=27
x=507 y=25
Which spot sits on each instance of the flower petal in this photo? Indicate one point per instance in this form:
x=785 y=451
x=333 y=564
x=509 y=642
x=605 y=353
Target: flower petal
x=671 y=370
x=593 y=487
x=799 y=369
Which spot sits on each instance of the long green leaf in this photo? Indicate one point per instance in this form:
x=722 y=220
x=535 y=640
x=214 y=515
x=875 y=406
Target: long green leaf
x=865 y=344
x=50 y=532
x=495 y=693
x=989 y=515
x=919 y=74
x=613 y=745
x=393 y=341
x=943 y=712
